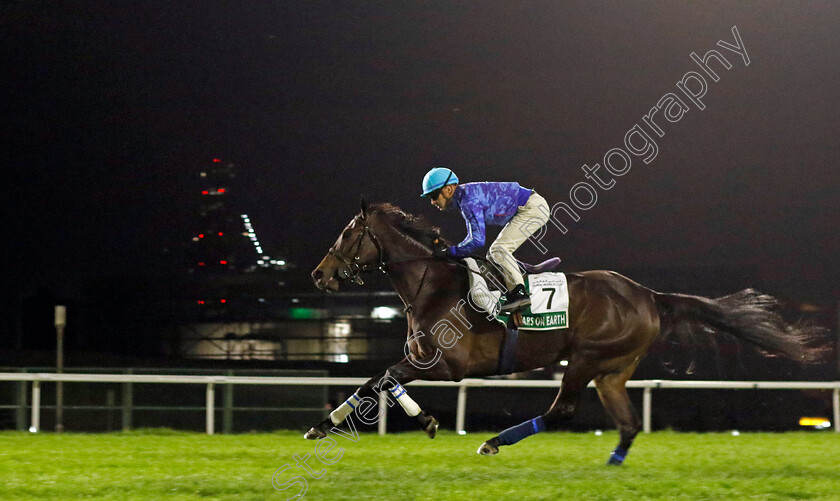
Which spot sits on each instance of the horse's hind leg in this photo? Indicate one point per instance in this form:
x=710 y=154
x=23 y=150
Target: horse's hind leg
x=616 y=401
x=562 y=410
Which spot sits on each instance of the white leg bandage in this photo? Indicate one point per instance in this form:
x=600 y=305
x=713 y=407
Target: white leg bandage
x=344 y=410
x=408 y=404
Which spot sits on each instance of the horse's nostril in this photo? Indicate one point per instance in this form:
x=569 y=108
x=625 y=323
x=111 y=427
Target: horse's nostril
x=317 y=274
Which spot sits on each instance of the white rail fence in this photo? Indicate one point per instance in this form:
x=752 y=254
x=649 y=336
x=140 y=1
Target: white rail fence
x=211 y=381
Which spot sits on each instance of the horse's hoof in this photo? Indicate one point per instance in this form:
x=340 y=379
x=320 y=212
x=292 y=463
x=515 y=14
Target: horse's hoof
x=431 y=427
x=314 y=434
x=488 y=449
x=617 y=457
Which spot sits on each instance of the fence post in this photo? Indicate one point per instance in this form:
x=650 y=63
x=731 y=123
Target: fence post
x=227 y=409
x=110 y=401
x=461 y=409
x=382 y=425
x=36 y=407
x=60 y=324
x=646 y=401
x=836 y=405
x=127 y=403
x=20 y=412
x=211 y=400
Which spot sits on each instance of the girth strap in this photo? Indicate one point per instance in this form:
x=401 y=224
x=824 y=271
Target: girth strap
x=508 y=351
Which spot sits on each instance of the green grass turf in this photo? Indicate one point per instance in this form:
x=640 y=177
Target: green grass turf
x=163 y=464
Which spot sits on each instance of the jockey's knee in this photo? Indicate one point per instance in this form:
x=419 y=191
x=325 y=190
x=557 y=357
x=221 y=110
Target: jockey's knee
x=499 y=253
x=495 y=260
x=501 y=256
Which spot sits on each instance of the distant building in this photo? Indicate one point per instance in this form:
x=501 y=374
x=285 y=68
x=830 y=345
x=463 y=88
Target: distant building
x=223 y=236
x=242 y=301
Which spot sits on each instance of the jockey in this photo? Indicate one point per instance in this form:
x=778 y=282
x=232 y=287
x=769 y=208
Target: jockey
x=521 y=211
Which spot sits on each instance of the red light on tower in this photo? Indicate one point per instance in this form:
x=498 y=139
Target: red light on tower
x=216 y=160
x=221 y=190
x=223 y=301
x=222 y=262
x=205 y=192
x=221 y=234
x=201 y=235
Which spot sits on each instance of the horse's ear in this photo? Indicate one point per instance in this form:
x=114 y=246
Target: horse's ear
x=364 y=206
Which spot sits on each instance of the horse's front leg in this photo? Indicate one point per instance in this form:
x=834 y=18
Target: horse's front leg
x=392 y=380
x=338 y=415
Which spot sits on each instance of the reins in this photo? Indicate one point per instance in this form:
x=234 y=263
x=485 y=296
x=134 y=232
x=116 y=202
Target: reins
x=353 y=269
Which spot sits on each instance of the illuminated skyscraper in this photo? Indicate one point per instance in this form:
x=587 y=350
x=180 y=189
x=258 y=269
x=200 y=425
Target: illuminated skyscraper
x=224 y=237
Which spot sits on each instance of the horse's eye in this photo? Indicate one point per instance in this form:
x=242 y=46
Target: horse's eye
x=347 y=234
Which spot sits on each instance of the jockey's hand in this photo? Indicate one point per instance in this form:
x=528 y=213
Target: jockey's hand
x=440 y=250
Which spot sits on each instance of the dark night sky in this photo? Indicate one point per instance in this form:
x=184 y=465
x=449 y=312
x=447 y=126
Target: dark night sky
x=109 y=112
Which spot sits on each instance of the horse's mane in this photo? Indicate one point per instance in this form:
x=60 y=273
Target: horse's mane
x=416 y=227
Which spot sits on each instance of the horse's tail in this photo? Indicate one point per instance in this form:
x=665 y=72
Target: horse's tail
x=747 y=315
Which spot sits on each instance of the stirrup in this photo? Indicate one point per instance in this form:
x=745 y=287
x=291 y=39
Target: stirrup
x=516 y=306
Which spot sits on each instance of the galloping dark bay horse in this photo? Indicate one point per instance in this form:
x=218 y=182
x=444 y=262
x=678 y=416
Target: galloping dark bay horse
x=613 y=322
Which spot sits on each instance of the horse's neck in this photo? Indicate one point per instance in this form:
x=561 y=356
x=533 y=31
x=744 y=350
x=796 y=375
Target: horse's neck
x=406 y=262
x=431 y=289
x=411 y=268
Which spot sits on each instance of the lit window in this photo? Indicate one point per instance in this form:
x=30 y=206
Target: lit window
x=337 y=342
x=384 y=313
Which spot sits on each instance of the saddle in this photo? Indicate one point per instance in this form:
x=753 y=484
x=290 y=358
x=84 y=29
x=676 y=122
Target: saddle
x=487 y=286
x=551 y=264
x=486 y=296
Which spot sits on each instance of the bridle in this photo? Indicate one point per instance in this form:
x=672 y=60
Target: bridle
x=352 y=269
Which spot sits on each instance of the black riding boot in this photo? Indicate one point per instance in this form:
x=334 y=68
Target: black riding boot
x=516 y=300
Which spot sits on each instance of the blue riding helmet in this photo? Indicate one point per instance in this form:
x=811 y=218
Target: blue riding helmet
x=438 y=178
